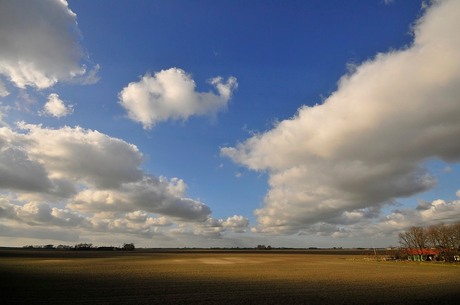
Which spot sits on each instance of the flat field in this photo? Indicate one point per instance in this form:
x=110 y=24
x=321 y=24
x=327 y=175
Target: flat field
x=219 y=277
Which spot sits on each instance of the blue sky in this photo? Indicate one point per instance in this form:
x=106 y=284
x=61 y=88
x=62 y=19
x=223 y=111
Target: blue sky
x=227 y=123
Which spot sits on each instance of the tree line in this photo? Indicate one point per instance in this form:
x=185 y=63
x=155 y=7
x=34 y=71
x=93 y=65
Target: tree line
x=440 y=242
x=84 y=247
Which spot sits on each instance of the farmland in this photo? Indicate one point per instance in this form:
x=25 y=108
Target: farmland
x=220 y=277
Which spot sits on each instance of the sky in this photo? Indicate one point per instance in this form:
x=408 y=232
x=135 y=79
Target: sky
x=227 y=123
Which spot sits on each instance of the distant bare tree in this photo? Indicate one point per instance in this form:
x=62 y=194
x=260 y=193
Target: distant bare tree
x=456 y=234
x=444 y=238
x=83 y=246
x=452 y=236
x=63 y=247
x=414 y=238
x=438 y=236
x=128 y=247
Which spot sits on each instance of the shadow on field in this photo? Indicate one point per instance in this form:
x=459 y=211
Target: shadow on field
x=181 y=279
x=47 y=289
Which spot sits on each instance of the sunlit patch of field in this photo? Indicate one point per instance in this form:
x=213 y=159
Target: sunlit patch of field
x=222 y=278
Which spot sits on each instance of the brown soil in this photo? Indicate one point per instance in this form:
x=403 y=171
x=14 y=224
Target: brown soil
x=221 y=278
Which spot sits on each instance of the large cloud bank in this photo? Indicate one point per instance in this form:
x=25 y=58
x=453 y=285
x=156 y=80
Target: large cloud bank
x=336 y=164
x=170 y=95
x=68 y=181
x=40 y=44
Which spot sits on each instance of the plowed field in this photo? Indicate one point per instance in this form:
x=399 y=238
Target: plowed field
x=56 y=277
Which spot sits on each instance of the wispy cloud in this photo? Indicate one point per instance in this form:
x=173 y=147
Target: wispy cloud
x=3 y=91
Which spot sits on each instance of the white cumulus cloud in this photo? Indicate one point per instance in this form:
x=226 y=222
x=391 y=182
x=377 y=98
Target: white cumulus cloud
x=40 y=43
x=367 y=143
x=150 y=194
x=79 y=154
x=68 y=183
x=213 y=227
x=56 y=107
x=171 y=95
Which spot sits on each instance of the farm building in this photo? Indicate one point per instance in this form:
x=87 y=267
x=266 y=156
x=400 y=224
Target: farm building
x=422 y=254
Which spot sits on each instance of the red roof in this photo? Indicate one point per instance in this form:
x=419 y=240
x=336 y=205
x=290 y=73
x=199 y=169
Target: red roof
x=422 y=251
